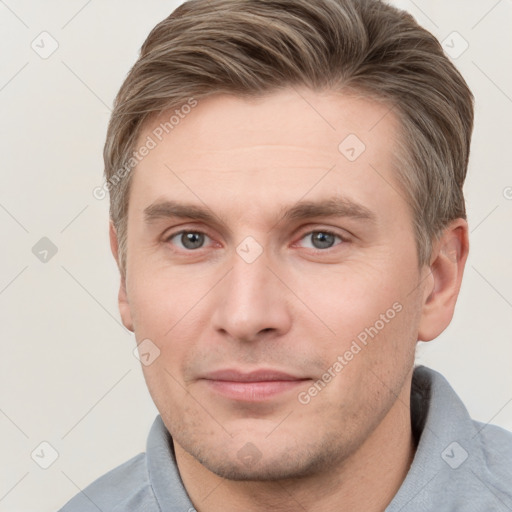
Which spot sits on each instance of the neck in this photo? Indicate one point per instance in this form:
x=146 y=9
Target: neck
x=366 y=481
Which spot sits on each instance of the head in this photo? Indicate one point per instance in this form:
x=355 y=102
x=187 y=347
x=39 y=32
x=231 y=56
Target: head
x=314 y=154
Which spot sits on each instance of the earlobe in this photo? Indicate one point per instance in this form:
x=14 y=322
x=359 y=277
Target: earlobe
x=122 y=298
x=442 y=286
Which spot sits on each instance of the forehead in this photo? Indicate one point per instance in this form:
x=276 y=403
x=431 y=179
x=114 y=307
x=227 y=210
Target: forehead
x=288 y=145
x=274 y=118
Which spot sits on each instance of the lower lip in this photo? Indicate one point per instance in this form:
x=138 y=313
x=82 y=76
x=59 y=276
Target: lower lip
x=253 y=391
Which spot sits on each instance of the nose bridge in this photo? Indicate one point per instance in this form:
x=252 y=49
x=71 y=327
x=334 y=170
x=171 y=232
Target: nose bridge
x=251 y=298
x=249 y=279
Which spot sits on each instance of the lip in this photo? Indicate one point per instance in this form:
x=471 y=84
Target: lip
x=254 y=386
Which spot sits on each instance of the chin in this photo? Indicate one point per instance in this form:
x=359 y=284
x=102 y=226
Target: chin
x=250 y=464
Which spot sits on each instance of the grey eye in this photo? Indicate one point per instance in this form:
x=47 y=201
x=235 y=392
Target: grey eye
x=189 y=239
x=321 y=239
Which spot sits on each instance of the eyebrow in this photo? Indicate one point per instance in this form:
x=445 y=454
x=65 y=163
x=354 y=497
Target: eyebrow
x=330 y=207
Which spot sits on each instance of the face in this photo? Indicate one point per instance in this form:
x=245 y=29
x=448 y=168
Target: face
x=272 y=271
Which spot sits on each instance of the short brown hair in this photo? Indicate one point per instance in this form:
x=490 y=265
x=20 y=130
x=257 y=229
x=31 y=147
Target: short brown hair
x=255 y=47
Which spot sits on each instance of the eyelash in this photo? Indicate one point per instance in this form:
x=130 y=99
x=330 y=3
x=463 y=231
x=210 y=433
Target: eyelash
x=324 y=231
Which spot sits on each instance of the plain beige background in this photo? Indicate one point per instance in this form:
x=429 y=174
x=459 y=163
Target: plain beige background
x=68 y=374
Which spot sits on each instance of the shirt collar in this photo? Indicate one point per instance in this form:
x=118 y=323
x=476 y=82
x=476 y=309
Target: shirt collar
x=448 y=448
x=164 y=476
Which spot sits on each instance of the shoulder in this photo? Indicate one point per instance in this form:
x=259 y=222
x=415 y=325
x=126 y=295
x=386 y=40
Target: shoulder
x=459 y=464
x=496 y=453
x=484 y=451
x=124 y=488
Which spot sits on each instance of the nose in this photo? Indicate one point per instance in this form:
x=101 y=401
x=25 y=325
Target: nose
x=252 y=303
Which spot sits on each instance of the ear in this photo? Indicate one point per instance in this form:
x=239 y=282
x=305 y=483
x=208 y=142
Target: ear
x=124 y=305
x=449 y=255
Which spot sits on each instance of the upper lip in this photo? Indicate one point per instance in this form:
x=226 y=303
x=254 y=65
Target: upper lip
x=260 y=375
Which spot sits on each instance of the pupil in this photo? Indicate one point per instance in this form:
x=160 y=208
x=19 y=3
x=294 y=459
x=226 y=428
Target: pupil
x=192 y=240
x=323 y=240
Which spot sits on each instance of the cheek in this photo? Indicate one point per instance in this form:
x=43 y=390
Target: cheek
x=374 y=317
x=168 y=391
x=169 y=310
x=161 y=298
x=368 y=363
x=349 y=299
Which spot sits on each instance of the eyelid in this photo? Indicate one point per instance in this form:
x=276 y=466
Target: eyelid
x=168 y=235
x=314 y=227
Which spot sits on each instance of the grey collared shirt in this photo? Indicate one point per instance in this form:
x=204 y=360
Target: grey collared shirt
x=459 y=465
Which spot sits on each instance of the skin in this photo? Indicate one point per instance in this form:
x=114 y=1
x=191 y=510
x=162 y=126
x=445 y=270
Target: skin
x=295 y=308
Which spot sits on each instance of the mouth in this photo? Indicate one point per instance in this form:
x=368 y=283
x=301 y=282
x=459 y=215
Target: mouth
x=255 y=386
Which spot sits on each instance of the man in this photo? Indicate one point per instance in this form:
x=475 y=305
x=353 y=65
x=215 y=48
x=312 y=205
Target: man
x=288 y=219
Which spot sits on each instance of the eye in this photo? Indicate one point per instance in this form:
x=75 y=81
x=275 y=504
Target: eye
x=189 y=240
x=193 y=240
x=321 y=239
